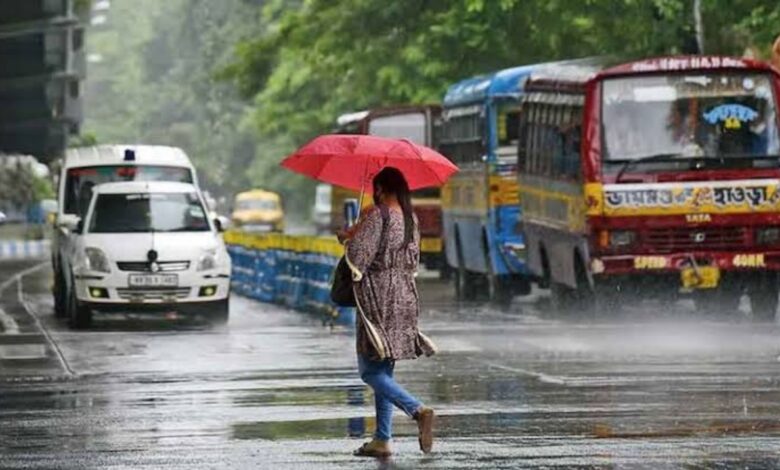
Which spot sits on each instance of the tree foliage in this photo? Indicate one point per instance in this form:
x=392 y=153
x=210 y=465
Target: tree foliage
x=240 y=83
x=326 y=57
x=154 y=82
x=21 y=187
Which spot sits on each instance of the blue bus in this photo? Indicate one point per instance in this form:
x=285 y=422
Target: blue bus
x=478 y=131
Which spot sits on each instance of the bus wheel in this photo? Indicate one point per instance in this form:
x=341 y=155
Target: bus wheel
x=465 y=285
x=722 y=301
x=500 y=289
x=582 y=299
x=521 y=285
x=563 y=298
x=445 y=270
x=465 y=282
x=763 y=293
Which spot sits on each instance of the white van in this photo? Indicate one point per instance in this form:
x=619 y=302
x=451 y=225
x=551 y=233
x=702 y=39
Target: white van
x=86 y=167
x=148 y=247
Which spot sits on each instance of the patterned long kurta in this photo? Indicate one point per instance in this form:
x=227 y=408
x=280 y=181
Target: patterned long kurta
x=385 y=288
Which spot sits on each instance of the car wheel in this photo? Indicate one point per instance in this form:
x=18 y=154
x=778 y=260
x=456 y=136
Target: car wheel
x=221 y=312
x=79 y=315
x=58 y=292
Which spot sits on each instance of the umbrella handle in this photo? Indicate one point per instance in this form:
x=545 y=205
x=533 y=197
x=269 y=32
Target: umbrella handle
x=362 y=190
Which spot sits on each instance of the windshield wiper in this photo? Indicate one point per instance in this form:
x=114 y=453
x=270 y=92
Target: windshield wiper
x=648 y=158
x=745 y=156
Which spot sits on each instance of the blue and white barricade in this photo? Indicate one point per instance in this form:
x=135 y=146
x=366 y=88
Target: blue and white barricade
x=24 y=249
x=294 y=271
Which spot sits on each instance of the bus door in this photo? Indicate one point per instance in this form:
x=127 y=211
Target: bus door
x=507 y=247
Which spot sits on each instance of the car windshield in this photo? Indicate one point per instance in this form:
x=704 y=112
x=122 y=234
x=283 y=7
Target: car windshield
x=80 y=181
x=720 y=115
x=257 y=204
x=148 y=212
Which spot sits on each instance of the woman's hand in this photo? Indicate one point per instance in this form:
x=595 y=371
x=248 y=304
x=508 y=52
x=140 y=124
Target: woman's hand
x=346 y=234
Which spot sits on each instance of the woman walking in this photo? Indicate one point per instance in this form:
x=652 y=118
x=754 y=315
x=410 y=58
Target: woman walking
x=383 y=253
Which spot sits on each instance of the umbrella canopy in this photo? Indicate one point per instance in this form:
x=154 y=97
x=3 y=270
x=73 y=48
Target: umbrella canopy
x=351 y=161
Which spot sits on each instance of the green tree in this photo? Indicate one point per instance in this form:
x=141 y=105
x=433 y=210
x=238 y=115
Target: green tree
x=155 y=82
x=327 y=57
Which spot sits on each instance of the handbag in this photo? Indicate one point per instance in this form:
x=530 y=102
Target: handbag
x=341 y=290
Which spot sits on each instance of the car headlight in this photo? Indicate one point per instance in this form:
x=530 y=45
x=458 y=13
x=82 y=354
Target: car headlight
x=96 y=260
x=208 y=261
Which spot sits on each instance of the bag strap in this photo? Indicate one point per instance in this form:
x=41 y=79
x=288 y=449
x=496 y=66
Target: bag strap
x=380 y=349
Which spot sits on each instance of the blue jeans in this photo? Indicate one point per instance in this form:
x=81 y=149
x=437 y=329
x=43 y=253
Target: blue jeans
x=379 y=376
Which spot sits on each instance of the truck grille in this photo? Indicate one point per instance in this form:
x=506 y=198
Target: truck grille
x=668 y=240
x=153 y=294
x=143 y=266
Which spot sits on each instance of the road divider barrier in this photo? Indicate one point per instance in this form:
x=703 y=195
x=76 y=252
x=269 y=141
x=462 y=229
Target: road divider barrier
x=290 y=270
x=24 y=249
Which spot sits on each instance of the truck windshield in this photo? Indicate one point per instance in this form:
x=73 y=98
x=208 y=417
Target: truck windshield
x=80 y=181
x=707 y=115
x=148 y=212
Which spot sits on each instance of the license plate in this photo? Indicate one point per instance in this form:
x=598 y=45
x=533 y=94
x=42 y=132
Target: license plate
x=430 y=245
x=705 y=277
x=153 y=280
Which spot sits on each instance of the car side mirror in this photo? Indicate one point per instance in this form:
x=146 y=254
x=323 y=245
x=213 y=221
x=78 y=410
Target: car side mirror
x=80 y=227
x=218 y=225
x=68 y=221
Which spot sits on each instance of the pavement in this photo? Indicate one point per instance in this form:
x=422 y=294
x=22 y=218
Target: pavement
x=652 y=387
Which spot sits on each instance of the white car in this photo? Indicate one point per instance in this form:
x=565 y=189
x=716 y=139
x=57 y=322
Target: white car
x=2 y=218
x=148 y=247
x=87 y=167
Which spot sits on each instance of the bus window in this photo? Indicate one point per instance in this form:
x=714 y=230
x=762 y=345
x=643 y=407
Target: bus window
x=557 y=141
x=462 y=138
x=412 y=126
x=533 y=131
x=508 y=126
x=572 y=140
x=522 y=143
x=548 y=142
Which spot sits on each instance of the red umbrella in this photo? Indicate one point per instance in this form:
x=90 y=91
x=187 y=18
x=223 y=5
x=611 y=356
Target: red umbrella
x=351 y=161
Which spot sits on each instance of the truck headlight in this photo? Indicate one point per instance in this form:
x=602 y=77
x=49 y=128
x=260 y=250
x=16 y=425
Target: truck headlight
x=619 y=238
x=207 y=262
x=96 y=260
x=767 y=235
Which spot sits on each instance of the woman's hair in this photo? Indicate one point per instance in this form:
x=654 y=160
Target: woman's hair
x=392 y=181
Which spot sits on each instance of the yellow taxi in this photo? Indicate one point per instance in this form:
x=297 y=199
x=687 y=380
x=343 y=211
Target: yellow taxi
x=258 y=210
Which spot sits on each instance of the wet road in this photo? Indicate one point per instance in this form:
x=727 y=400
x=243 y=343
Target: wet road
x=277 y=389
